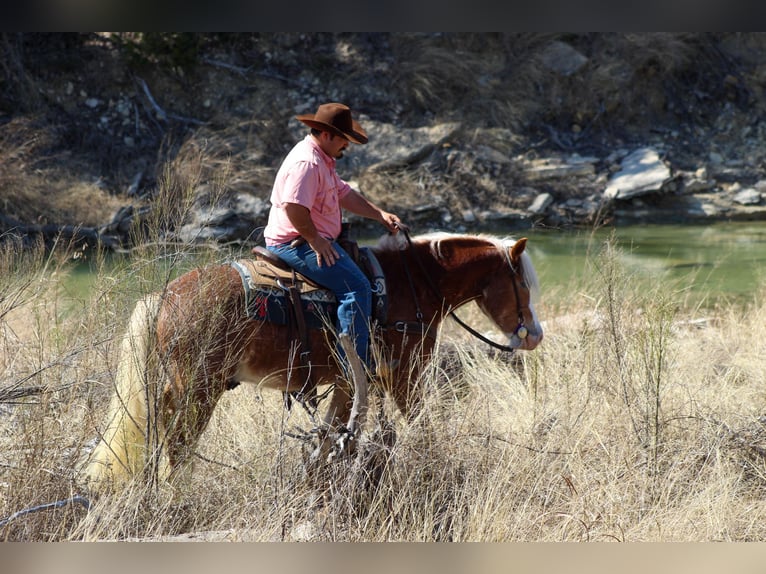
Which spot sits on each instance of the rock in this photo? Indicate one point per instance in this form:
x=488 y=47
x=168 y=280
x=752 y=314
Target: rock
x=540 y=204
x=236 y=219
x=512 y=218
x=700 y=207
x=695 y=183
x=555 y=167
x=711 y=209
x=490 y=155
x=748 y=196
x=642 y=172
x=396 y=148
x=562 y=58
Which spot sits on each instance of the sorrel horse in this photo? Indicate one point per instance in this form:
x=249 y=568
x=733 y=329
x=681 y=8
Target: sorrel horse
x=185 y=346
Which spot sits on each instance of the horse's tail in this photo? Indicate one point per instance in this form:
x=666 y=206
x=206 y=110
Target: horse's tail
x=126 y=442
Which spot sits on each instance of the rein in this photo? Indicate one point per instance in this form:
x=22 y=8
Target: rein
x=437 y=292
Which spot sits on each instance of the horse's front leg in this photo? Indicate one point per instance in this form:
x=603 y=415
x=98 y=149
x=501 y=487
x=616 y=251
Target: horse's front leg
x=405 y=383
x=333 y=422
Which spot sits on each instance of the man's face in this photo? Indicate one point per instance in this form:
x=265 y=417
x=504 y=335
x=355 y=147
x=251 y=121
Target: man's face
x=333 y=145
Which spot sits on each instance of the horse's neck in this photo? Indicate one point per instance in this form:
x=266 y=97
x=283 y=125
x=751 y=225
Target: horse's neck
x=462 y=284
x=424 y=285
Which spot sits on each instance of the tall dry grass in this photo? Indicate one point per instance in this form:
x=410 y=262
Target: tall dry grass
x=638 y=419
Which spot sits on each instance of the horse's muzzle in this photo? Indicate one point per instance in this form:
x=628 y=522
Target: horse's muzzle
x=533 y=338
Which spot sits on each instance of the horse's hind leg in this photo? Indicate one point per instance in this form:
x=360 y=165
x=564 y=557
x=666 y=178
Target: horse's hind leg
x=187 y=411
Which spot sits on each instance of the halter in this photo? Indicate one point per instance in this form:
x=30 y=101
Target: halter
x=521 y=330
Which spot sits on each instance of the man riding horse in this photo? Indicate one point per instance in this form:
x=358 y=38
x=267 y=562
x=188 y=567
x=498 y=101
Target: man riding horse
x=305 y=218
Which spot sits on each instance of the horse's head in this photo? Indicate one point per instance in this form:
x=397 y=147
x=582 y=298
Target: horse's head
x=496 y=273
x=508 y=297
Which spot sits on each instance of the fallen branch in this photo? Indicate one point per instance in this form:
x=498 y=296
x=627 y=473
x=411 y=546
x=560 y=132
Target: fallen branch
x=77 y=236
x=211 y=461
x=238 y=69
x=162 y=114
x=13 y=393
x=359 y=379
x=245 y=71
x=157 y=109
x=77 y=499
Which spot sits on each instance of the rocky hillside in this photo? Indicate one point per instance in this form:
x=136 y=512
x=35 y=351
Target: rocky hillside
x=466 y=130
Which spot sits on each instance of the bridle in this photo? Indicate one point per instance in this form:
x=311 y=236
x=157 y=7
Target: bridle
x=521 y=330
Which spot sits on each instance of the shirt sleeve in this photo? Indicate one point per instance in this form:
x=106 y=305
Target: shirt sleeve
x=300 y=185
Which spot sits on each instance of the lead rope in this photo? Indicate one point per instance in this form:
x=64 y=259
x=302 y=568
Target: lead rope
x=435 y=289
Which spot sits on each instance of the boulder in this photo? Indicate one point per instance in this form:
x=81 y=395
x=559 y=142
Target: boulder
x=558 y=167
x=562 y=58
x=642 y=171
x=540 y=204
x=747 y=196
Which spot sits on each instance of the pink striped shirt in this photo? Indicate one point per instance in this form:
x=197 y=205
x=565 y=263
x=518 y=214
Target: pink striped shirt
x=307 y=177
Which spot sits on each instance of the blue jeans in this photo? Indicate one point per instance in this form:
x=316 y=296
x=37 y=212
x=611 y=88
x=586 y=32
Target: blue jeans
x=349 y=284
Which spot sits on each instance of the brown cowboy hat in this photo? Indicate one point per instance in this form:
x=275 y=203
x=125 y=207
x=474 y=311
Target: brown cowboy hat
x=335 y=118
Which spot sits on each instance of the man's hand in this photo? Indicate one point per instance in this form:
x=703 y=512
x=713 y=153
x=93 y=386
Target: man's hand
x=325 y=251
x=392 y=222
x=300 y=217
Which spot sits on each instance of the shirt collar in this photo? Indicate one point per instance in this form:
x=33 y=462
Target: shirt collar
x=330 y=161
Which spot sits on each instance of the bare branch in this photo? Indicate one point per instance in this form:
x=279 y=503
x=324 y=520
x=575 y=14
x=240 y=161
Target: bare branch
x=359 y=379
x=162 y=114
x=239 y=70
x=77 y=499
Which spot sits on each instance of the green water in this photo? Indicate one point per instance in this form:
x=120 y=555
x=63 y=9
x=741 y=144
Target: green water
x=708 y=263
x=131 y=278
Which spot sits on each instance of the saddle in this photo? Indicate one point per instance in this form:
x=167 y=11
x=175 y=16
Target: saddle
x=271 y=285
x=276 y=293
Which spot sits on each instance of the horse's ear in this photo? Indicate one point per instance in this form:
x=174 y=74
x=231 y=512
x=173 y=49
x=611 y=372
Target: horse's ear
x=518 y=248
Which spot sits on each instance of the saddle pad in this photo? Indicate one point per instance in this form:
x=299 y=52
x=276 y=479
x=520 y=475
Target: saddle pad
x=267 y=298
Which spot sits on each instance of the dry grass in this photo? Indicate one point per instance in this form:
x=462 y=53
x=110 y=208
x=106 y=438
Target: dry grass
x=629 y=423
x=35 y=192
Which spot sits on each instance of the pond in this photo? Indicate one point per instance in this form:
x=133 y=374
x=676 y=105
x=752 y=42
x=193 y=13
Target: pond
x=711 y=263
